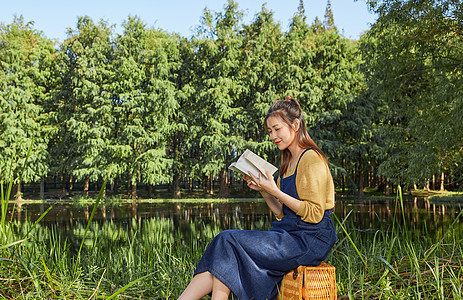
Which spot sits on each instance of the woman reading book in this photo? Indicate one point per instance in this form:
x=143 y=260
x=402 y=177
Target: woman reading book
x=251 y=263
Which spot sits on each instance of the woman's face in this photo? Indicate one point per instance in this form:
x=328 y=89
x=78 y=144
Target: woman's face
x=280 y=133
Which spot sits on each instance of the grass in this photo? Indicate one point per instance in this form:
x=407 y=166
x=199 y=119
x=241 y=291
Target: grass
x=147 y=259
x=396 y=264
x=154 y=259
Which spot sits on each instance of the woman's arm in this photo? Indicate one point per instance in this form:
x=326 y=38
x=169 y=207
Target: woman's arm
x=271 y=193
x=271 y=201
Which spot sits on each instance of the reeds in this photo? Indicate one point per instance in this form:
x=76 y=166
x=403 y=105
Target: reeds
x=150 y=258
x=155 y=258
x=396 y=264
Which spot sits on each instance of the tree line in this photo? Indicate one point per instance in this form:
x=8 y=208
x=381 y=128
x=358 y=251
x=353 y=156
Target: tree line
x=152 y=107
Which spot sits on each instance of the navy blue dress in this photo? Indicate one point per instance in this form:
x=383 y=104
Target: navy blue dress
x=252 y=263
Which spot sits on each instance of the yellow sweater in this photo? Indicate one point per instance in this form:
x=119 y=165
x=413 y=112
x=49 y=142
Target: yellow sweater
x=314 y=186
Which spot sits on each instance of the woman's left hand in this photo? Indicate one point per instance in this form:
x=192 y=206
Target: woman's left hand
x=266 y=185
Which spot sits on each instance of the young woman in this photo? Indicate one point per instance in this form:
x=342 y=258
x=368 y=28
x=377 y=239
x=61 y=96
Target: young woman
x=250 y=263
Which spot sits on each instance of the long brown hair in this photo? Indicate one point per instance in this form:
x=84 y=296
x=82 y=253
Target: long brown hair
x=289 y=111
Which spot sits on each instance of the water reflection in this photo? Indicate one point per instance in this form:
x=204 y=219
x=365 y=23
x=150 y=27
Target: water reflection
x=365 y=213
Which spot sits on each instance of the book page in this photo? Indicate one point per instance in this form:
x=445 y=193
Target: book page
x=250 y=162
x=261 y=164
x=243 y=166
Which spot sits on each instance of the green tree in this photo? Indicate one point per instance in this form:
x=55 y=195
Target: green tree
x=85 y=100
x=413 y=61
x=181 y=139
x=218 y=46
x=27 y=64
x=161 y=104
x=320 y=68
x=260 y=64
x=329 y=18
x=144 y=102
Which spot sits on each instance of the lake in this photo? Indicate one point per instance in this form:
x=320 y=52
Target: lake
x=363 y=213
x=165 y=240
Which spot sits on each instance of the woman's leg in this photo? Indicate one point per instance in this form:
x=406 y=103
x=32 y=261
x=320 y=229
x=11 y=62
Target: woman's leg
x=203 y=284
x=200 y=286
x=219 y=290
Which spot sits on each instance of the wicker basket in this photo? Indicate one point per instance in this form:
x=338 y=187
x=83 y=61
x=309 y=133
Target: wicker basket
x=309 y=283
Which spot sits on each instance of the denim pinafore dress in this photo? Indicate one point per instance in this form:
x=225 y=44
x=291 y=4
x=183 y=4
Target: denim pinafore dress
x=252 y=263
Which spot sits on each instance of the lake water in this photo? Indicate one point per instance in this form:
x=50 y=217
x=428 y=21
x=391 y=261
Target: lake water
x=363 y=214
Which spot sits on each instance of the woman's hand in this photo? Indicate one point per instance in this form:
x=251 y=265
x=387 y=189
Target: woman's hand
x=261 y=184
x=252 y=184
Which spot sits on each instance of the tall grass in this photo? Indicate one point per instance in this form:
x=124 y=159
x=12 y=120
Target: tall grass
x=399 y=264
x=155 y=258
x=151 y=258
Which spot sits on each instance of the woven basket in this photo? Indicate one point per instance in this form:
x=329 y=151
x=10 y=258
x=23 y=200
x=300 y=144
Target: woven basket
x=309 y=283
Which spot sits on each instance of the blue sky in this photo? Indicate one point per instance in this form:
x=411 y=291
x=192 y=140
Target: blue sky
x=181 y=16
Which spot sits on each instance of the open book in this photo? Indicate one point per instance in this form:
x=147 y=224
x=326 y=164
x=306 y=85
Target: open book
x=250 y=161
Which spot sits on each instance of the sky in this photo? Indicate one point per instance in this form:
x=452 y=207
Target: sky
x=53 y=17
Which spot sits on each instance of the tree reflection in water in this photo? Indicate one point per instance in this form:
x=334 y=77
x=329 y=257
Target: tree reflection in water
x=363 y=214
x=166 y=240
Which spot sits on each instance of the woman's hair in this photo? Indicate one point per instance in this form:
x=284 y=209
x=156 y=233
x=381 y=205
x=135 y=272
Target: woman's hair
x=289 y=111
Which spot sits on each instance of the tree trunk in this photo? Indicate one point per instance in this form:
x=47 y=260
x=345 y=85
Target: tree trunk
x=373 y=178
x=176 y=186
x=343 y=177
x=104 y=192
x=134 y=191
x=212 y=184
x=86 y=185
x=129 y=176
x=149 y=190
x=204 y=185
x=361 y=179
x=70 y=183
x=18 y=192
x=63 y=184
x=224 y=190
x=442 y=182
x=42 y=188
x=114 y=187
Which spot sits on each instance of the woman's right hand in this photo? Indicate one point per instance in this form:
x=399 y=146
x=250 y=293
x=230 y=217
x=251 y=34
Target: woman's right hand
x=252 y=184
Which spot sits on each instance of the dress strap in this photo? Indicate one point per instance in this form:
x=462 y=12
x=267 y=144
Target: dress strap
x=295 y=171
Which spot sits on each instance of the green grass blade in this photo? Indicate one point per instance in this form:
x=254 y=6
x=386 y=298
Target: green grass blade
x=443 y=237
x=391 y=268
x=5 y=199
x=351 y=241
x=100 y=194
x=389 y=255
x=47 y=272
x=40 y=218
x=12 y=244
x=399 y=194
x=122 y=289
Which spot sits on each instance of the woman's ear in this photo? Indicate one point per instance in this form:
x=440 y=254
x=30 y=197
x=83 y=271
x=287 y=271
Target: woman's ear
x=296 y=125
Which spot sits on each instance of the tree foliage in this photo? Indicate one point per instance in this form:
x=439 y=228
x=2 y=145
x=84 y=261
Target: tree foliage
x=146 y=106
x=27 y=66
x=413 y=65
